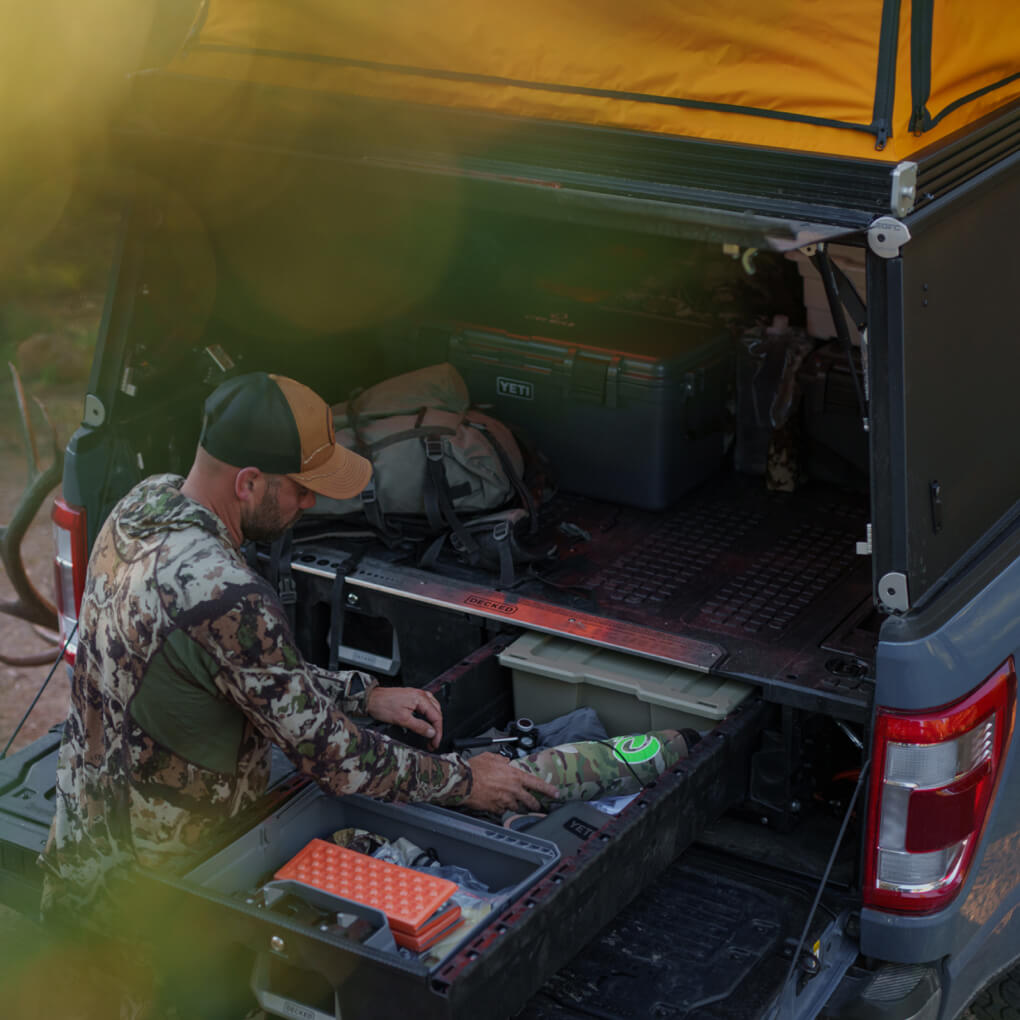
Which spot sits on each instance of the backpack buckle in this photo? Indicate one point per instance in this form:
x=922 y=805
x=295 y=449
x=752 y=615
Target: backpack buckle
x=433 y=447
x=287 y=590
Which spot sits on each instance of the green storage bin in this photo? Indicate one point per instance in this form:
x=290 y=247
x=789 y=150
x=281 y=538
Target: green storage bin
x=554 y=675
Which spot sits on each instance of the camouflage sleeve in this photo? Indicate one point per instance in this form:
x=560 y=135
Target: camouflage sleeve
x=261 y=670
x=348 y=689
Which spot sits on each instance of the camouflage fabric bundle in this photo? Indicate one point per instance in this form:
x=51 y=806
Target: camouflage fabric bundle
x=592 y=769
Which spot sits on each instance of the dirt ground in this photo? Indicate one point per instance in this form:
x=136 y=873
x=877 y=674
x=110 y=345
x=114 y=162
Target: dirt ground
x=20 y=684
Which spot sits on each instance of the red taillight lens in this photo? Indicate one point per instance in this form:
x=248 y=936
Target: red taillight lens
x=932 y=784
x=71 y=539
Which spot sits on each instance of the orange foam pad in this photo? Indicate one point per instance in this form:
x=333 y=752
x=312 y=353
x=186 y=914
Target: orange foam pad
x=422 y=942
x=408 y=898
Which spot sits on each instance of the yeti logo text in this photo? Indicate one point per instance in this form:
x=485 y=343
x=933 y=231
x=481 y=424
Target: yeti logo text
x=514 y=388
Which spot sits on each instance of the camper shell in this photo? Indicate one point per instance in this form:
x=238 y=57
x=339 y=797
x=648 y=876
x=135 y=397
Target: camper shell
x=343 y=198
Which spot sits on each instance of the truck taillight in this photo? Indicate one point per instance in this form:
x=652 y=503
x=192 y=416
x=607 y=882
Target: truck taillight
x=71 y=540
x=932 y=785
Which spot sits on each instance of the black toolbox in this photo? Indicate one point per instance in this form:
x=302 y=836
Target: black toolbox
x=627 y=408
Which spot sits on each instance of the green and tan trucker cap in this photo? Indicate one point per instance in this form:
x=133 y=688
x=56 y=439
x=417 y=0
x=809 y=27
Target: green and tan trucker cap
x=281 y=427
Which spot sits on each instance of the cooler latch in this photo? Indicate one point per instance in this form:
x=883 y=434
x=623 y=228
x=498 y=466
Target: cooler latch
x=595 y=380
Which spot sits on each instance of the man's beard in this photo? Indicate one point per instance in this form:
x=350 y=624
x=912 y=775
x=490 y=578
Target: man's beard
x=265 y=522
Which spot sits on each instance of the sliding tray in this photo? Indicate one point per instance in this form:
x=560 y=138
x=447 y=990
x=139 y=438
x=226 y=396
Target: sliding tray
x=502 y=866
x=553 y=905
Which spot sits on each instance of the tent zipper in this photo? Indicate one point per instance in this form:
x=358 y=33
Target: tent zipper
x=885 y=79
x=922 y=16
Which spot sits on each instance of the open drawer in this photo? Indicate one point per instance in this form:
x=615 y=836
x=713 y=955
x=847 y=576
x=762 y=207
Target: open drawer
x=551 y=901
x=502 y=866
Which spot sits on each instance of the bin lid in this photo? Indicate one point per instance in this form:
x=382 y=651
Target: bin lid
x=657 y=683
x=640 y=349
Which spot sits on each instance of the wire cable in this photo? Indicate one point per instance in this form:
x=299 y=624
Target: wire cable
x=822 y=883
x=39 y=693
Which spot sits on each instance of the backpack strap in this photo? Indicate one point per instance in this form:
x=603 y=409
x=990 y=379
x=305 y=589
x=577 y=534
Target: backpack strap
x=523 y=492
x=502 y=535
x=438 y=500
x=373 y=512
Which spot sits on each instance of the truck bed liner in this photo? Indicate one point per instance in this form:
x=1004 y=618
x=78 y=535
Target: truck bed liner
x=703 y=944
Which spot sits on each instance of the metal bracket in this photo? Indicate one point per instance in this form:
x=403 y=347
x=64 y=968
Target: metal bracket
x=886 y=236
x=904 y=189
x=94 y=412
x=892 y=592
x=865 y=548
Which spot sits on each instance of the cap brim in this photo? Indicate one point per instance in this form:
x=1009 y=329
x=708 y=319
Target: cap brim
x=343 y=476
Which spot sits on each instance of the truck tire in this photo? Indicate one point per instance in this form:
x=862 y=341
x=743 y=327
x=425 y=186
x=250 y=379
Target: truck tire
x=999 y=1001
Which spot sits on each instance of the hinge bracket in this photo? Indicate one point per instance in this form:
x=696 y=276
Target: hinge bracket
x=95 y=412
x=893 y=593
x=886 y=236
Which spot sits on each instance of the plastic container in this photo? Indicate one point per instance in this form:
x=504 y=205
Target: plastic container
x=553 y=676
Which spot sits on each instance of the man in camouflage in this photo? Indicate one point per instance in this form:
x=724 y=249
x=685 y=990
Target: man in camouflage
x=186 y=671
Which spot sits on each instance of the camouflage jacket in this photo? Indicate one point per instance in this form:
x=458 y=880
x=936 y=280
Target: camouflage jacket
x=186 y=673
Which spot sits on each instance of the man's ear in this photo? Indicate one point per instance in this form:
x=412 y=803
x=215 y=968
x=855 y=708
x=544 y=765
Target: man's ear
x=248 y=484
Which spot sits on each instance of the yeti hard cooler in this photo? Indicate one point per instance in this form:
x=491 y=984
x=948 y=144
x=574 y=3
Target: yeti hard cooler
x=627 y=408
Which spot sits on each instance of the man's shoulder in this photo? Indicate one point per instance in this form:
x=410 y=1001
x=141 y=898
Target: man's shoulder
x=205 y=569
x=156 y=510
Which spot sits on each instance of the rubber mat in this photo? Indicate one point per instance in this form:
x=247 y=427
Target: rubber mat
x=782 y=582
x=674 y=554
x=697 y=945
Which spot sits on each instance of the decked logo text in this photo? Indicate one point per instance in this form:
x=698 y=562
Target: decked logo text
x=499 y=607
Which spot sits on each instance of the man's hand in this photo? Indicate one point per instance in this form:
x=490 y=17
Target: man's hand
x=414 y=709
x=499 y=787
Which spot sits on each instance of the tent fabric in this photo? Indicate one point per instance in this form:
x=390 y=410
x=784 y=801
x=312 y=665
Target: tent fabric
x=804 y=75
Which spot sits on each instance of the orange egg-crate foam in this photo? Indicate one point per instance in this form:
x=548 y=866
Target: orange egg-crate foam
x=408 y=898
x=430 y=935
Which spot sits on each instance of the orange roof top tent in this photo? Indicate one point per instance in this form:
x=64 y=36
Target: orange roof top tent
x=822 y=98
x=874 y=77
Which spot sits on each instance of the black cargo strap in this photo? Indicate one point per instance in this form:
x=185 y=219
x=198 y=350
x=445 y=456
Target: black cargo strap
x=338 y=607
x=280 y=576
